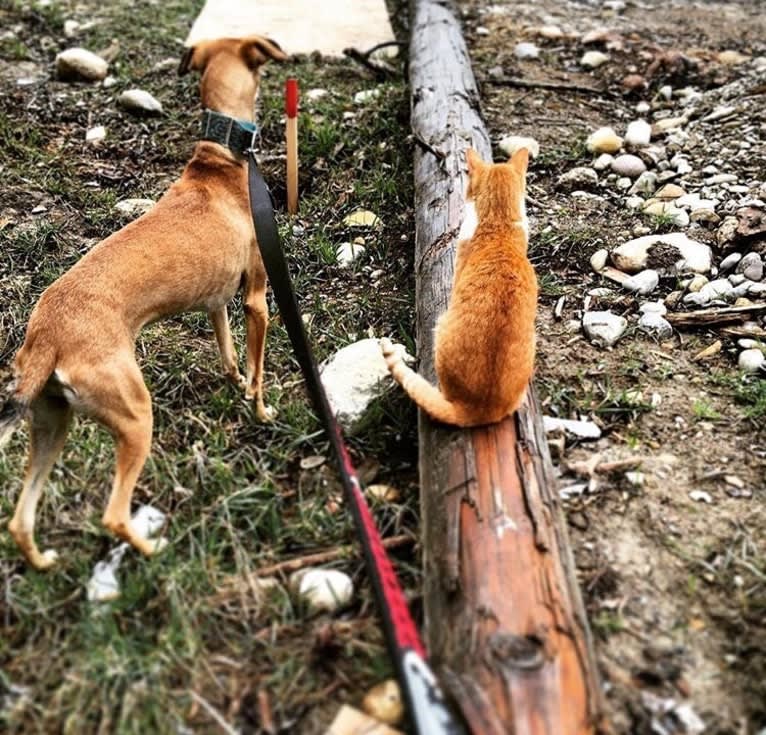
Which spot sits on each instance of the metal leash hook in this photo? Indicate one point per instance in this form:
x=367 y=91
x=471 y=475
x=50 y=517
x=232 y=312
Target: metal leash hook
x=425 y=700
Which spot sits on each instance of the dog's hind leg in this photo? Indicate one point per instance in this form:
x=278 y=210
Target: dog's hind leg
x=116 y=395
x=49 y=424
x=256 y=319
x=220 y=321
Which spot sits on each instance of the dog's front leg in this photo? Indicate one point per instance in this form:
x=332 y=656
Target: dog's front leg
x=220 y=321
x=256 y=320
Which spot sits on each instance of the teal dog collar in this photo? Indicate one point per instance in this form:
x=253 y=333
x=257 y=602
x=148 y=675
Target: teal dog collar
x=237 y=135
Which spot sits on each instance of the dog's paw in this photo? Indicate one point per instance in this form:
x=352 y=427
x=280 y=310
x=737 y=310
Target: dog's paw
x=386 y=346
x=266 y=414
x=47 y=560
x=157 y=545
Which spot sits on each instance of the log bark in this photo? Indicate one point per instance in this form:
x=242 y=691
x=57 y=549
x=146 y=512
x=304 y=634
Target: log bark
x=711 y=317
x=505 y=622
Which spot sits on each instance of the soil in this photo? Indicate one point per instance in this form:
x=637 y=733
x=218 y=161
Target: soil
x=674 y=587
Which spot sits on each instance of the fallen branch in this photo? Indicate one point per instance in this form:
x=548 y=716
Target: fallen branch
x=380 y=69
x=322 y=557
x=556 y=86
x=724 y=315
x=753 y=331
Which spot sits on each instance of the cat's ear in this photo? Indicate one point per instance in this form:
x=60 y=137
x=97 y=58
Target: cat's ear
x=520 y=160
x=472 y=160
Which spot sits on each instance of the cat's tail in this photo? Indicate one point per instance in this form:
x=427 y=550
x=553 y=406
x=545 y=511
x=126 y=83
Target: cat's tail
x=427 y=396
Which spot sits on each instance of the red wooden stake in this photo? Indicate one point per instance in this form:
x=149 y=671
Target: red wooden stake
x=291 y=137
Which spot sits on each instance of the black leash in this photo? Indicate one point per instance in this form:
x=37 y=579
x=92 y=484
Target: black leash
x=422 y=694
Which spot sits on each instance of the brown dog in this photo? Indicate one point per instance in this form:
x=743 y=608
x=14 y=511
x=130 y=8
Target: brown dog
x=193 y=250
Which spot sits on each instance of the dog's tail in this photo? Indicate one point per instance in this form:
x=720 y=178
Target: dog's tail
x=38 y=364
x=427 y=396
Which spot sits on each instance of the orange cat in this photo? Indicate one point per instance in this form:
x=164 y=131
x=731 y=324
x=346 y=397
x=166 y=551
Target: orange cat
x=485 y=341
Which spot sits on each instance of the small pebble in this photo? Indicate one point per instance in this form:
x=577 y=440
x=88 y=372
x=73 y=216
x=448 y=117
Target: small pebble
x=526 y=50
x=604 y=140
x=639 y=133
x=628 y=165
x=593 y=59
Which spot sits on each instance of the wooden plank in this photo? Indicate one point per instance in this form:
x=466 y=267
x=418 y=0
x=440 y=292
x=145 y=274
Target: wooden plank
x=504 y=618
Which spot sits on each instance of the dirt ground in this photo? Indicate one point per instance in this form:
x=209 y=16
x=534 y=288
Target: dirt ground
x=675 y=588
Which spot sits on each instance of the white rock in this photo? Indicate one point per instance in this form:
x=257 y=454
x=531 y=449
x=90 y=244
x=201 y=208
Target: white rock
x=678 y=217
x=623 y=183
x=603 y=327
x=666 y=91
x=593 y=59
x=646 y=183
x=580 y=176
x=751 y=266
x=80 y=64
x=579 y=429
x=697 y=283
x=354 y=377
x=604 y=140
x=730 y=261
x=718 y=289
x=603 y=161
x=316 y=94
x=653 y=307
x=747 y=344
x=634 y=202
x=628 y=165
x=347 y=252
x=694 y=201
x=70 y=28
x=736 y=279
x=639 y=133
x=138 y=101
x=682 y=166
x=95 y=135
x=700 y=496
x=366 y=95
x=323 y=590
x=598 y=259
x=526 y=50
x=103 y=585
x=643 y=107
x=134 y=207
x=643 y=283
x=751 y=361
x=757 y=289
x=512 y=143
x=721 y=179
x=632 y=256
x=656 y=325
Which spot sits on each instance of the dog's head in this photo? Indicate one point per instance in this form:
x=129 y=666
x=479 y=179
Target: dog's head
x=229 y=68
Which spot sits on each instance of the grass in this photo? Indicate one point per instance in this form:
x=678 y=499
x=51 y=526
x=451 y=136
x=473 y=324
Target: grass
x=187 y=641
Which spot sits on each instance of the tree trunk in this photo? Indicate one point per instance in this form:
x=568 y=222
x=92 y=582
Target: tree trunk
x=504 y=618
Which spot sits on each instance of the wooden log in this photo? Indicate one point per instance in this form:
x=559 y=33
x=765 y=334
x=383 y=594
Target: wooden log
x=710 y=317
x=505 y=622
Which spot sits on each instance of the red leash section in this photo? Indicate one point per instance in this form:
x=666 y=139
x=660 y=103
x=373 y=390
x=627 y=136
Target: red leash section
x=428 y=710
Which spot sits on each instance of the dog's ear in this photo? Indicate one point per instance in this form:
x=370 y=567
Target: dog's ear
x=196 y=57
x=185 y=65
x=257 y=50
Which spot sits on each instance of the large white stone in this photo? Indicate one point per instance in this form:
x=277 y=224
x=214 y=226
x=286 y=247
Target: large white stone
x=354 y=377
x=604 y=140
x=751 y=361
x=603 y=327
x=632 y=256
